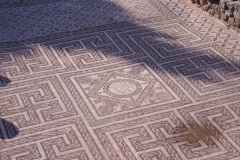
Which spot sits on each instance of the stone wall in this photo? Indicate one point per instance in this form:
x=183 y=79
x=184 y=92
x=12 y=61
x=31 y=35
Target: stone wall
x=228 y=11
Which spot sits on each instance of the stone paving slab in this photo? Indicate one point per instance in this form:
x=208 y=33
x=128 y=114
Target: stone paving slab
x=121 y=80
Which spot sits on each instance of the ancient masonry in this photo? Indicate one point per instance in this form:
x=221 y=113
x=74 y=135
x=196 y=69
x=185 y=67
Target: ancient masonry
x=228 y=11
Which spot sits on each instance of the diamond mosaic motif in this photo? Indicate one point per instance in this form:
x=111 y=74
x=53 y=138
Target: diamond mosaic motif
x=123 y=89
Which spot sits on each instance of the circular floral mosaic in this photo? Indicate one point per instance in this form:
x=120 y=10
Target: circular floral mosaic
x=122 y=88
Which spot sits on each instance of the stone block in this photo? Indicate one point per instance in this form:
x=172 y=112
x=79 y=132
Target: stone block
x=237 y=23
x=223 y=17
x=224 y=22
x=216 y=10
x=201 y=2
x=228 y=13
x=231 y=21
x=232 y=4
x=235 y=29
x=222 y=4
x=195 y=1
x=236 y=12
x=210 y=12
x=216 y=16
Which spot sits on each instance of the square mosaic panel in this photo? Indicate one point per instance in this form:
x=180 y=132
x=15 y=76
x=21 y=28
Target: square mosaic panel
x=122 y=89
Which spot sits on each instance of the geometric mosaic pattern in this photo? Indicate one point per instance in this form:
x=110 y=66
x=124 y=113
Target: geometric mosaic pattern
x=153 y=87
x=35 y=18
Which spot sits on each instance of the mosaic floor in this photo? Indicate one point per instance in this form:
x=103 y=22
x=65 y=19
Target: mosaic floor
x=116 y=80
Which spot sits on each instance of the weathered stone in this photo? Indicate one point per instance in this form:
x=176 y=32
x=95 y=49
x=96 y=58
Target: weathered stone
x=232 y=4
x=228 y=13
x=210 y=12
x=236 y=12
x=237 y=23
x=223 y=16
x=216 y=10
x=216 y=16
x=235 y=29
x=222 y=4
x=231 y=20
x=195 y=1
x=202 y=2
x=224 y=22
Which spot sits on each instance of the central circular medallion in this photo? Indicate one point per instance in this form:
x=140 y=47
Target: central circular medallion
x=122 y=88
